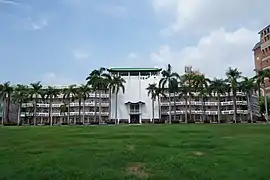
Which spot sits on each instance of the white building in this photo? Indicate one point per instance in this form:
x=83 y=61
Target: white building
x=135 y=106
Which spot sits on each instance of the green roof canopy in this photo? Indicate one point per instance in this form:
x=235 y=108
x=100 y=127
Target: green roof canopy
x=133 y=69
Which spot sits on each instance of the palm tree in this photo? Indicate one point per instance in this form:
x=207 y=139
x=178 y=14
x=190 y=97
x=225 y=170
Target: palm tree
x=35 y=90
x=20 y=95
x=159 y=92
x=233 y=75
x=188 y=82
x=82 y=94
x=51 y=93
x=218 y=88
x=175 y=89
x=201 y=84
x=108 y=84
x=117 y=84
x=248 y=86
x=63 y=111
x=168 y=77
x=152 y=92
x=69 y=94
x=183 y=92
x=5 y=92
x=259 y=79
x=96 y=81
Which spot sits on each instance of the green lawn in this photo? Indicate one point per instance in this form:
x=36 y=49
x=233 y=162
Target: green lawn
x=203 y=152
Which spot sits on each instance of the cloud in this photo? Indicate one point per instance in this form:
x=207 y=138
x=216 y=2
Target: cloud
x=213 y=54
x=54 y=79
x=198 y=15
x=37 y=25
x=9 y=2
x=80 y=54
x=132 y=55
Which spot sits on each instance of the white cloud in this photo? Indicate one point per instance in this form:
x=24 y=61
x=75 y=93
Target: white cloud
x=38 y=25
x=132 y=55
x=211 y=14
x=213 y=54
x=56 y=79
x=80 y=54
x=9 y=2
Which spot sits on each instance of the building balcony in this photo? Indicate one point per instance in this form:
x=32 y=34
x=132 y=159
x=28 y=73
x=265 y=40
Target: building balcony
x=23 y=114
x=199 y=103
x=227 y=112
x=212 y=95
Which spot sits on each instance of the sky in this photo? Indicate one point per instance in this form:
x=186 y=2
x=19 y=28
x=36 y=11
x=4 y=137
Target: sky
x=59 y=42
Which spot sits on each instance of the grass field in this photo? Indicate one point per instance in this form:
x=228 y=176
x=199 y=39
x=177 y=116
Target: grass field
x=203 y=152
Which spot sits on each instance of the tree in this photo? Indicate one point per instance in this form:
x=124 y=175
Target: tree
x=174 y=89
x=233 y=75
x=201 y=84
x=248 y=86
x=183 y=92
x=188 y=82
x=159 y=92
x=82 y=94
x=108 y=84
x=168 y=77
x=152 y=93
x=117 y=84
x=5 y=92
x=96 y=81
x=69 y=94
x=20 y=95
x=35 y=91
x=218 y=88
x=51 y=93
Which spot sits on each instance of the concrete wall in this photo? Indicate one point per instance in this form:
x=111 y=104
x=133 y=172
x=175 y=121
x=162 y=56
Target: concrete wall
x=135 y=91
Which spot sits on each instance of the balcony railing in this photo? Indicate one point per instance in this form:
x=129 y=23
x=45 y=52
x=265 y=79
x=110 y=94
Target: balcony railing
x=206 y=112
x=199 y=103
x=23 y=114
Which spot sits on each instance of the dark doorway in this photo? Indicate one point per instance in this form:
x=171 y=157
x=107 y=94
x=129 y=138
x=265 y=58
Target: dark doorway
x=135 y=119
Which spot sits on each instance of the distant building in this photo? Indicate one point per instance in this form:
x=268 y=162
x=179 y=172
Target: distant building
x=262 y=54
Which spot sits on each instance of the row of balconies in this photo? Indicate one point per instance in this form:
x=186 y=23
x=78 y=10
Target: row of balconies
x=92 y=95
x=208 y=112
x=213 y=94
x=59 y=105
x=199 y=103
x=23 y=114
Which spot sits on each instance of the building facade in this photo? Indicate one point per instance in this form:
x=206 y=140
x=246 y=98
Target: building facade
x=134 y=105
x=262 y=54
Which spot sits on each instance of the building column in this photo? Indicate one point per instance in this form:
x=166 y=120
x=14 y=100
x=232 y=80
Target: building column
x=140 y=106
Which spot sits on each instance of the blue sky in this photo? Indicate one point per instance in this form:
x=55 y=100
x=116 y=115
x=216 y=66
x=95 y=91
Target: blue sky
x=61 y=41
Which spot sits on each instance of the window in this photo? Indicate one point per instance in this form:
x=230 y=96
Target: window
x=123 y=73
x=134 y=107
x=145 y=73
x=134 y=73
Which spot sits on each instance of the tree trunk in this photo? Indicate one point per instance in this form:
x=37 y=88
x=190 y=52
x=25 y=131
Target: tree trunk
x=8 y=106
x=250 y=108
x=204 y=114
x=189 y=104
x=153 y=111
x=116 y=99
x=80 y=119
x=99 y=108
x=35 y=111
x=3 y=112
x=19 y=114
x=170 y=108
x=174 y=104
x=219 y=112
x=95 y=108
x=186 y=110
x=159 y=109
x=69 y=111
x=50 y=112
x=234 y=107
x=83 y=116
x=110 y=103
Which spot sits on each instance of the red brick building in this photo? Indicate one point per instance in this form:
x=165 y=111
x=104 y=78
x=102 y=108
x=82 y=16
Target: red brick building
x=262 y=54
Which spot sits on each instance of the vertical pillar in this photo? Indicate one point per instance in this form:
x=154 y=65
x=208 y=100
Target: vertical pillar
x=140 y=106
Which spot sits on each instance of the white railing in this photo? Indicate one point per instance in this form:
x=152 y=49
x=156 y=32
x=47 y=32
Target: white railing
x=199 y=103
x=207 y=112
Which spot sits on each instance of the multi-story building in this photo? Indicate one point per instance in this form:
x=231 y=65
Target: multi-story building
x=135 y=105
x=262 y=54
x=59 y=110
